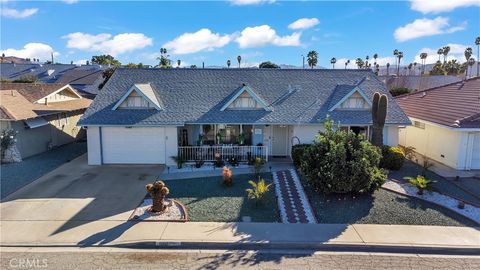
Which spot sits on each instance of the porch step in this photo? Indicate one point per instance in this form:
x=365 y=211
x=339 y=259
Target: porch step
x=292 y=201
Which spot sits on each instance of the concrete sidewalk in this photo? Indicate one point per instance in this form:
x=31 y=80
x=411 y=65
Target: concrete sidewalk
x=109 y=233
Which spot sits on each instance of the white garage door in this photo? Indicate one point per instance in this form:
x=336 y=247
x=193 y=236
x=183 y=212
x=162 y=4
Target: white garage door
x=476 y=152
x=133 y=145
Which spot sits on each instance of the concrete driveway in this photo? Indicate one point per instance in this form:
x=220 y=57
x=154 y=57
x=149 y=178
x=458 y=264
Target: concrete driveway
x=75 y=194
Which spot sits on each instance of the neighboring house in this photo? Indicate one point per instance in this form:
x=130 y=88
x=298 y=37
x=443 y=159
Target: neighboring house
x=85 y=79
x=446 y=123
x=45 y=115
x=148 y=115
x=418 y=83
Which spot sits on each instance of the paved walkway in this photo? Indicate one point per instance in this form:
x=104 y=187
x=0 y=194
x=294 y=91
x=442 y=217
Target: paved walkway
x=205 y=235
x=292 y=201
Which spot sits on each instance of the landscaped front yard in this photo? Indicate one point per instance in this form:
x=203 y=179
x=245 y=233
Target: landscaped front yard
x=381 y=207
x=207 y=199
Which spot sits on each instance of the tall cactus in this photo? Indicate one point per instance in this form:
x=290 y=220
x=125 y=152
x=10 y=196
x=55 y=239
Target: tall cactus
x=157 y=191
x=379 y=114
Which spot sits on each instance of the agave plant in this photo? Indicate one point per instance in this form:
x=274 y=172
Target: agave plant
x=258 y=190
x=420 y=182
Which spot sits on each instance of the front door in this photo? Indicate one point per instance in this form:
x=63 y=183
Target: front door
x=279 y=141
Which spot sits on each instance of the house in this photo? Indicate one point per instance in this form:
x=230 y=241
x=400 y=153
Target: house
x=446 y=123
x=417 y=82
x=146 y=116
x=84 y=79
x=45 y=115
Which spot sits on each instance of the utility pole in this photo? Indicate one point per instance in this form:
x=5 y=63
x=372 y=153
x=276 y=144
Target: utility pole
x=52 y=57
x=203 y=64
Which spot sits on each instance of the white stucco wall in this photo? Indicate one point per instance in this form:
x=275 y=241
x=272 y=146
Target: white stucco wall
x=306 y=134
x=390 y=135
x=440 y=144
x=171 y=145
x=93 y=146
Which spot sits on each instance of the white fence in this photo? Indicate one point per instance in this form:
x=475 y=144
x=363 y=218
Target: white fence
x=210 y=153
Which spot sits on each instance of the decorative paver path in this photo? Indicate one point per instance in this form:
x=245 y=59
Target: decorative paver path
x=292 y=201
x=469 y=210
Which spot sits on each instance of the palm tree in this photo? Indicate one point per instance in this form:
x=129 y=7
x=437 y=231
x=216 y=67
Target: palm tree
x=446 y=50
x=333 y=61
x=179 y=62
x=239 y=60
x=410 y=68
x=377 y=69
x=423 y=56
x=414 y=68
x=229 y=63
x=346 y=63
x=471 y=62
x=468 y=54
x=312 y=59
x=388 y=69
x=359 y=63
x=399 y=56
x=375 y=56
x=477 y=42
x=439 y=52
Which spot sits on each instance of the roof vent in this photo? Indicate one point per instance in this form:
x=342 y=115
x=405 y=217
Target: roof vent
x=244 y=84
x=50 y=71
x=424 y=94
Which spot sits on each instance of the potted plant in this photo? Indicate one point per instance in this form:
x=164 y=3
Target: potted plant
x=180 y=160
x=241 y=139
x=420 y=182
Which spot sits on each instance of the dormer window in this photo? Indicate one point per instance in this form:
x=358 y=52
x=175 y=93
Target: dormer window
x=245 y=99
x=354 y=102
x=139 y=96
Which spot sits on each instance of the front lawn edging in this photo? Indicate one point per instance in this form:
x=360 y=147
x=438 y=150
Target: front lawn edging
x=469 y=208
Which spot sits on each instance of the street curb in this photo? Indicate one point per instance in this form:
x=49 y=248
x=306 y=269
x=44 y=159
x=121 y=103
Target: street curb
x=178 y=245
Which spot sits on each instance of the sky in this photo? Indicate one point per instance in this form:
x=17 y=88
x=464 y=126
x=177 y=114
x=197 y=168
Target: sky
x=259 y=30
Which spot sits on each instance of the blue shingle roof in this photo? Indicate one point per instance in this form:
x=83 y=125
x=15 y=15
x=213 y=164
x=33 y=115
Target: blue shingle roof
x=197 y=95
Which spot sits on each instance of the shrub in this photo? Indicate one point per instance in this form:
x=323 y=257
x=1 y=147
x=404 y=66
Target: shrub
x=227 y=176
x=199 y=163
x=180 y=160
x=7 y=139
x=420 y=182
x=258 y=190
x=408 y=151
x=258 y=164
x=392 y=158
x=218 y=161
x=341 y=162
x=399 y=91
x=29 y=78
x=297 y=153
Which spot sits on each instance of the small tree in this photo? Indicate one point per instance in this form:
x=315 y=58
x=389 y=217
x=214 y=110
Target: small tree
x=342 y=162
x=268 y=64
x=258 y=165
x=420 y=182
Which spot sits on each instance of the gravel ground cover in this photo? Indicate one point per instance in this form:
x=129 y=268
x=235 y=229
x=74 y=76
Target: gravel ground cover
x=441 y=184
x=17 y=175
x=381 y=207
x=207 y=199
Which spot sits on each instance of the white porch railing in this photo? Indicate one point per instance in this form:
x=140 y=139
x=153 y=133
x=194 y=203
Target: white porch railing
x=208 y=153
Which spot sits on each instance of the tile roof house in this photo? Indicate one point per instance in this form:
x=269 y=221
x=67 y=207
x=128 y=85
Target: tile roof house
x=45 y=115
x=446 y=123
x=417 y=82
x=148 y=115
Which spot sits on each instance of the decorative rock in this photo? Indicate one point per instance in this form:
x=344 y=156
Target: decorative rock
x=11 y=155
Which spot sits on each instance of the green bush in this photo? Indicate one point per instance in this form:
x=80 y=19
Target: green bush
x=399 y=91
x=341 y=162
x=297 y=153
x=392 y=158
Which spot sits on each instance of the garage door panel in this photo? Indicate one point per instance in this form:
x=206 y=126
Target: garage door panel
x=133 y=145
x=476 y=152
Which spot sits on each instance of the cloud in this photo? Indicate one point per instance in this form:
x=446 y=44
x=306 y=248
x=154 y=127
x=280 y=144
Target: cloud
x=250 y=2
x=437 y=6
x=70 y=1
x=202 y=40
x=426 y=27
x=32 y=50
x=259 y=36
x=456 y=53
x=80 y=62
x=304 y=23
x=18 y=14
x=106 y=43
